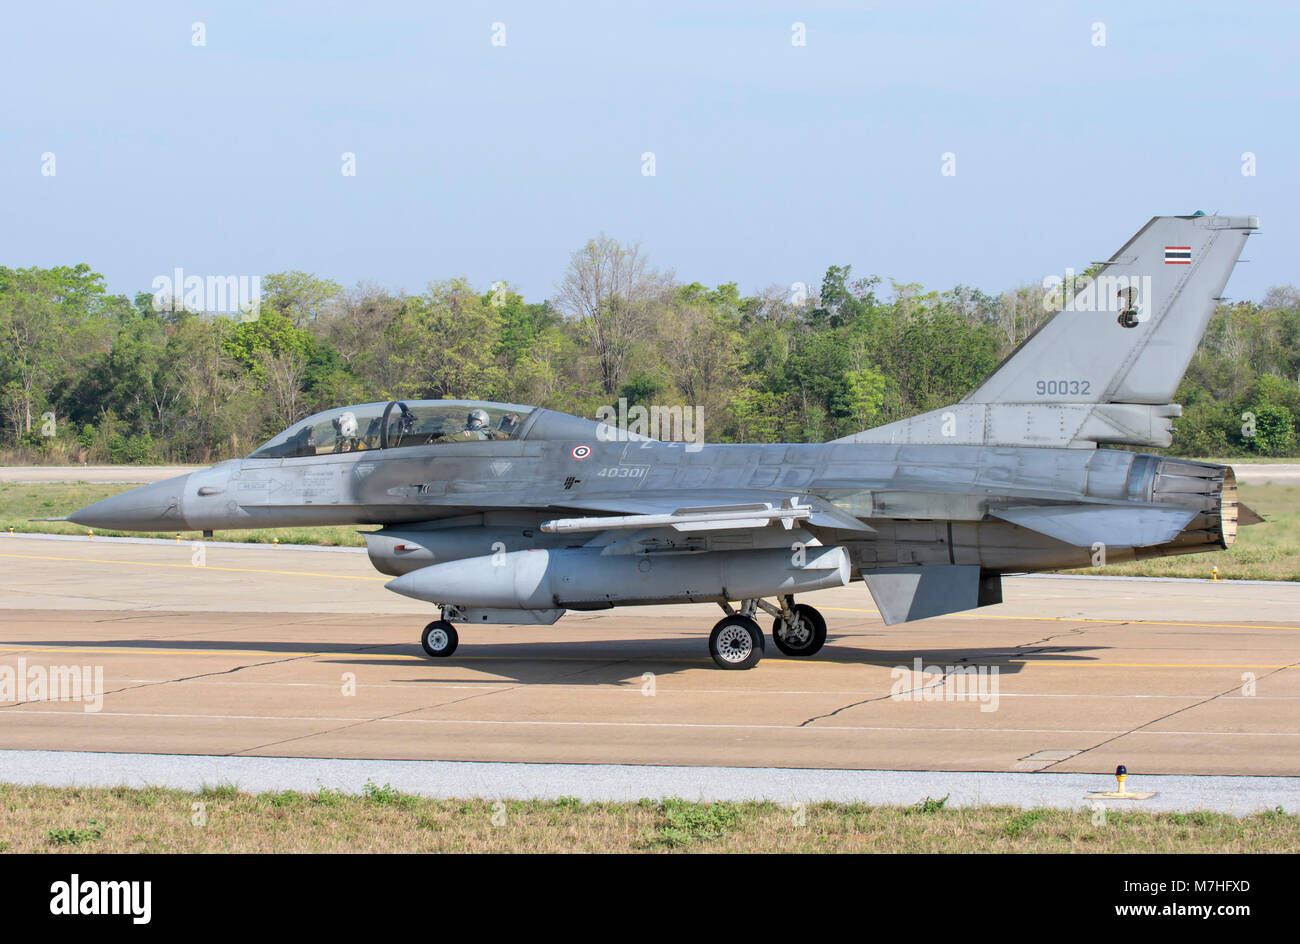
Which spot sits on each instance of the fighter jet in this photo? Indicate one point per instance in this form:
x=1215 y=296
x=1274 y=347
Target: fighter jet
x=503 y=513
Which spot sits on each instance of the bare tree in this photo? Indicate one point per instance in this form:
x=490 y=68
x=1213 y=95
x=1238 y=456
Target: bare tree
x=1023 y=309
x=609 y=290
x=284 y=374
x=776 y=304
x=356 y=317
x=1281 y=296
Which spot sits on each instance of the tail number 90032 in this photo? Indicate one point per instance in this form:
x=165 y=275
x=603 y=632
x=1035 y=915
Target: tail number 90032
x=1063 y=388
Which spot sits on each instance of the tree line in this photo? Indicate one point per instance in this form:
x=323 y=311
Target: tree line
x=90 y=376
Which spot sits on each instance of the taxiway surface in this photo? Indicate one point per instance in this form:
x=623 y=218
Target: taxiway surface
x=296 y=653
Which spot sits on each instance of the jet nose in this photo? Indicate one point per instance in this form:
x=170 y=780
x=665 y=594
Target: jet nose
x=148 y=508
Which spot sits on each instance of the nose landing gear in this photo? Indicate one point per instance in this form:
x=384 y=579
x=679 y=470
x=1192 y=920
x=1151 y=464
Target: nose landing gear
x=439 y=639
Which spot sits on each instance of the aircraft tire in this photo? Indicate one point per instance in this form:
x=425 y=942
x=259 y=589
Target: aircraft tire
x=439 y=639
x=816 y=637
x=736 y=643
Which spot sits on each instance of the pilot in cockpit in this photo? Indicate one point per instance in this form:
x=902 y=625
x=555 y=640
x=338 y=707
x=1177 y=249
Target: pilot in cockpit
x=507 y=426
x=476 y=429
x=346 y=429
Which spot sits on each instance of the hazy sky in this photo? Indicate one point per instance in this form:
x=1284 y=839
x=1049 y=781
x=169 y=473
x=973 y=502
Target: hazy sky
x=772 y=160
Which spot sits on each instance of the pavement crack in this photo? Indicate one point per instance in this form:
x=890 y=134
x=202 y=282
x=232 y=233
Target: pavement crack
x=171 y=681
x=342 y=727
x=398 y=714
x=1178 y=711
x=1037 y=647
x=939 y=682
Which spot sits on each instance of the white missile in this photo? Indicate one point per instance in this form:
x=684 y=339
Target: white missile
x=701 y=518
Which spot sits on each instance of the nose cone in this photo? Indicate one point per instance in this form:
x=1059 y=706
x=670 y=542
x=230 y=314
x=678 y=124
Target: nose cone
x=147 y=508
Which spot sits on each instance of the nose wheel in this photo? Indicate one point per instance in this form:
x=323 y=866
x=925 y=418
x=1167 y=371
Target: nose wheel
x=439 y=639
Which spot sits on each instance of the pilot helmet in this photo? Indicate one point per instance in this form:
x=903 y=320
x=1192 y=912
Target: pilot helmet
x=478 y=419
x=346 y=424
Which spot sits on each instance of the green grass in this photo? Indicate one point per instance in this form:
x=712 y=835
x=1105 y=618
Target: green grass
x=386 y=796
x=928 y=805
x=72 y=836
x=83 y=819
x=686 y=824
x=1021 y=823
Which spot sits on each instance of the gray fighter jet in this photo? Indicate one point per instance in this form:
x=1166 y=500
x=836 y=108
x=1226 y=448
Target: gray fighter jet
x=500 y=513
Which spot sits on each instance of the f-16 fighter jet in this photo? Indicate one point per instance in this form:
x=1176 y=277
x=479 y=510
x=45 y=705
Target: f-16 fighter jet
x=502 y=513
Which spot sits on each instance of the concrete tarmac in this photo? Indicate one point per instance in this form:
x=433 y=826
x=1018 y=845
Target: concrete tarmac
x=221 y=651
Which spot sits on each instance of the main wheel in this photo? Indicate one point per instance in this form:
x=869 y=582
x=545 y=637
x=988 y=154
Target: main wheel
x=736 y=643
x=805 y=637
x=439 y=639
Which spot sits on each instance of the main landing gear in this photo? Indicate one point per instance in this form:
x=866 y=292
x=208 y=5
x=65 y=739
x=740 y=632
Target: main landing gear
x=737 y=641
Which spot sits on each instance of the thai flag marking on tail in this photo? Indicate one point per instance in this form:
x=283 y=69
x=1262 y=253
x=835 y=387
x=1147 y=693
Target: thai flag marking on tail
x=1178 y=255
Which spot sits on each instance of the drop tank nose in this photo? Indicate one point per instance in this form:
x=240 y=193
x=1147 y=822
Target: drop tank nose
x=152 y=507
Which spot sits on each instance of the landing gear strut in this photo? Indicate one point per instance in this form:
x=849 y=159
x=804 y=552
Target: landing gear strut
x=799 y=630
x=737 y=641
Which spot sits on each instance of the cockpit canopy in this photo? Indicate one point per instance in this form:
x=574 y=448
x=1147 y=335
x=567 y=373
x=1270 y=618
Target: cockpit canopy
x=397 y=424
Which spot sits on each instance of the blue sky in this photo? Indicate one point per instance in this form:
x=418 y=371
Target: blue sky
x=772 y=161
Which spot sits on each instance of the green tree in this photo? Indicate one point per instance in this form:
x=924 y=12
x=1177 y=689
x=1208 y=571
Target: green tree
x=50 y=320
x=1273 y=430
x=299 y=296
x=444 y=343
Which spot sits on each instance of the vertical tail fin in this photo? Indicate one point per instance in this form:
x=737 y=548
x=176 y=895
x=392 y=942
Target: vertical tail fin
x=1170 y=275
x=1105 y=367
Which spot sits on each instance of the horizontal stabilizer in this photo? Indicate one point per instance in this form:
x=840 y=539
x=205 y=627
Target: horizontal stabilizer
x=911 y=593
x=1248 y=516
x=1111 y=525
